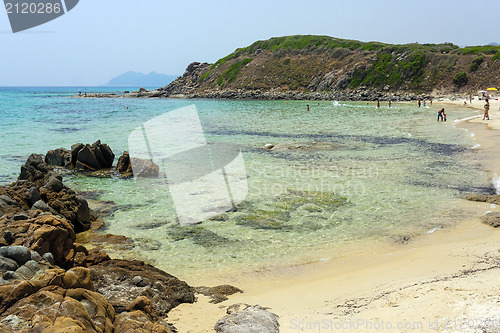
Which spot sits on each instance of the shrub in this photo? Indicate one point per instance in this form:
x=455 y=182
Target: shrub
x=476 y=62
x=460 y=79
x=230 y=74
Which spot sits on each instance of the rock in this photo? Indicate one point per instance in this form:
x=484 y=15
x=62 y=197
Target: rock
x=268 y=146
x=34 y=169
x=78 y=277
x=138 y=281
x=34 y=195
x=7 y=264
x=53 y=183
x=251 y=319
x=143 y=304
x=86 y=159
x=14 y=323
x=494 y=199
x=7 y=235
x=58 y=157
x=19 y=217
x=144 y=168
x=35 y=256
x=92 y=157
x=142 y=90
x=75 y=149
x=138 y=322
x=492 y=219
x=41 y=206
x=112 y=279
x=10 y=275
x=124 y=165
x=48 y=257
x=20 y=254
x=218 y=294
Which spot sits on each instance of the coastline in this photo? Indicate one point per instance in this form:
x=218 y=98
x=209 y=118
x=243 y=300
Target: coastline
x=445 y=281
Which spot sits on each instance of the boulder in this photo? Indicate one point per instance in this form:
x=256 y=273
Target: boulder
x=244 y=318
x=218 y=294
x=58 y=157
x=20 y=254
x=144 y=168
x=113 y=279
x=138 y=322
x=74 y=152
x=86 y=159
x=7 y=264
x=92 y=157
x=124 y=165
x=492 y=219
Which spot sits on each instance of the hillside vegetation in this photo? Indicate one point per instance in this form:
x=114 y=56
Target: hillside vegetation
x=310 y=64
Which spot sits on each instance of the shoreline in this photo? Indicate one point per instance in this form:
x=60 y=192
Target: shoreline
x=436 y=281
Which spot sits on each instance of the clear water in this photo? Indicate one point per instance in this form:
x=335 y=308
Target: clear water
x=340 y=173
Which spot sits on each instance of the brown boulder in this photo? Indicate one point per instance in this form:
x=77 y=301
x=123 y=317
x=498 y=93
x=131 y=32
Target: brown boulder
x=138 y=322
x=114 y=279
x=123 y=165
x=492 y=219
x=145 y=168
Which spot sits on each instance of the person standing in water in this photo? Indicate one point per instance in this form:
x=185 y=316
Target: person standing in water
x=308 y=107
x=441 y=114
x=378 y=103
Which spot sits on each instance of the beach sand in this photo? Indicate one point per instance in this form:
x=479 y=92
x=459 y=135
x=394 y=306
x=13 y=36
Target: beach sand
x=446 y=281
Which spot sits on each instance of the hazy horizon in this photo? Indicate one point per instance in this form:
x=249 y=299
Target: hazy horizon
x=97 y=41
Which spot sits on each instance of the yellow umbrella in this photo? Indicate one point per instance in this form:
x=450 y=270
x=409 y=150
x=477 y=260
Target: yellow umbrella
x=492 y=89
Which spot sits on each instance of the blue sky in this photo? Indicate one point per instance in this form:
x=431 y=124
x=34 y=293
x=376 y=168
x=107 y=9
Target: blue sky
x=100 y=39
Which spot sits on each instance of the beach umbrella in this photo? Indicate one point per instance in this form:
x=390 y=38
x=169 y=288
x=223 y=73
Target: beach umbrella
x=482 y=91
x=492 y=89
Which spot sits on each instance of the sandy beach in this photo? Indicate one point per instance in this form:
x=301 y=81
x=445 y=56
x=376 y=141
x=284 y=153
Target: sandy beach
x=446 y=281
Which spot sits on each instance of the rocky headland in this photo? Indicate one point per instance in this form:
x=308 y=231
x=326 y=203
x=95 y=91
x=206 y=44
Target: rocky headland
x=327 y=68
x=52 y=283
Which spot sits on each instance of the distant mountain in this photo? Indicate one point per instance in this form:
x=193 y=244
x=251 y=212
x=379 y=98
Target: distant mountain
x=140 y=79
x=494 y=44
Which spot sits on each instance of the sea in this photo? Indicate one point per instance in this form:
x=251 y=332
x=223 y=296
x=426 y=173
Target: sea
x=340 y=177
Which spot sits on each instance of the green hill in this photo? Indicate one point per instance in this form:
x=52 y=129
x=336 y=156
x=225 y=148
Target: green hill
x=322 y=64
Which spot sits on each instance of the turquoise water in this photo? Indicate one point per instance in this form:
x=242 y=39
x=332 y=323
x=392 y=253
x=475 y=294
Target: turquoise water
x=345 y=171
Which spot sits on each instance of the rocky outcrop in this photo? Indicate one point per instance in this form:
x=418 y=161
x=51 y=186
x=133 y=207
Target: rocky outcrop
x=492 y=219
x=92 y=157
x=244 y=318
x=121 y=281
x=123 y=166
x=58 y=157
x=51 y=283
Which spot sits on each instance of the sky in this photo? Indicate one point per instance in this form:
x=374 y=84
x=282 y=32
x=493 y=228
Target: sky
x=100 y=39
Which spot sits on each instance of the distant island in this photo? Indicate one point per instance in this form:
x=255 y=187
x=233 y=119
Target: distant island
x=329 y=68
x=140 y=79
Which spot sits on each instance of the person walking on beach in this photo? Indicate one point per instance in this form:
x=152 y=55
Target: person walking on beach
x=470 y=99
x=419 y=102
x=486 y=110
x=390 y=103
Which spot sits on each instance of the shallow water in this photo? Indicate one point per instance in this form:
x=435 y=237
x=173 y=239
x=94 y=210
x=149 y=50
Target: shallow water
x=342 y=172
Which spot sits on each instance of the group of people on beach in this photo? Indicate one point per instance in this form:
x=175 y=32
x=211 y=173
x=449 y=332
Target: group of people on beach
x=80 y=92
